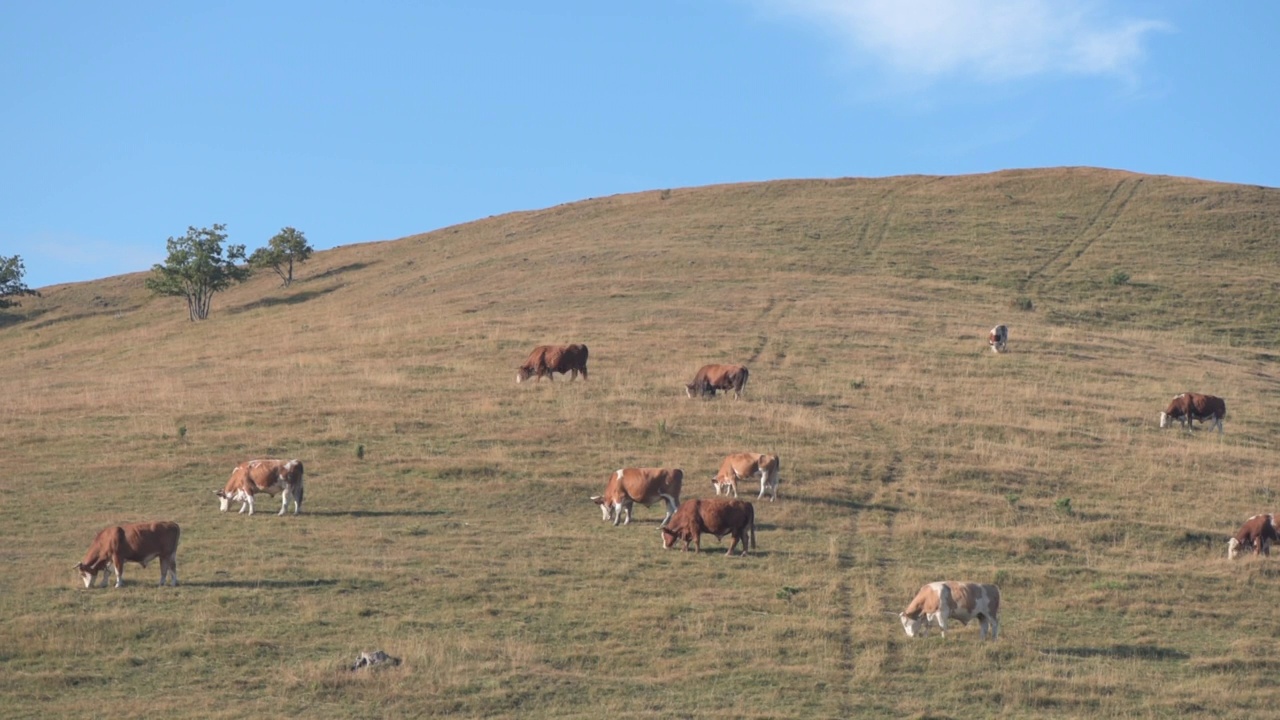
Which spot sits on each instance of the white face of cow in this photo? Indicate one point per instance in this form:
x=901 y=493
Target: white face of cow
x=224 y=502
x=1165 y=420
x=88 y=578
x=914 y=628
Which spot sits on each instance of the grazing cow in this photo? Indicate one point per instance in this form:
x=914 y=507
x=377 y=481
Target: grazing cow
x=998 y=338
x=941 y=602
x=716 y=516
x=639 y=485
x=740 y=466
x=263 y=476
x=549 y=359
x=711 y=378
x=1257 y=534
x=137 y=542
x=1191 y=406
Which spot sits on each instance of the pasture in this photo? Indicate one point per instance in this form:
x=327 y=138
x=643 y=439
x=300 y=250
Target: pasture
x=447 y=518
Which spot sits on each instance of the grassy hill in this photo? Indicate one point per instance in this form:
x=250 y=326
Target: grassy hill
x=463 y=540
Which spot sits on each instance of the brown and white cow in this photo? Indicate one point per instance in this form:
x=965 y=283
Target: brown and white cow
x=136 y=542
x=549 y=359
x=715 y=516
x=942 y=602
x=1256 y=534
x=263 y=476
x=1191 y=406
x=711 y=378
x=639 y=485
x=740 y=466
x=998 y=338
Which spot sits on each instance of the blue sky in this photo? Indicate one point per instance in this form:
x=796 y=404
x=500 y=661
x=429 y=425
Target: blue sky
x=125 y=123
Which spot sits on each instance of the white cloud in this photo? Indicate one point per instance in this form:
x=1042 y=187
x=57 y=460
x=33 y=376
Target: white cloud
x=988 y=40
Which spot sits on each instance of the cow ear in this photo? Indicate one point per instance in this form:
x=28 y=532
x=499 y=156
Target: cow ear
x=597 y=499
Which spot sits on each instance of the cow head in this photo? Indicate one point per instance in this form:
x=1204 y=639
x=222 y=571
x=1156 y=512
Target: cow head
x=606 y=508
x=1165 y=420
x=1233 y=548
x=523 y=374
x=89 y=574
x=225 y=499
x=669 y=537
x=914 y=627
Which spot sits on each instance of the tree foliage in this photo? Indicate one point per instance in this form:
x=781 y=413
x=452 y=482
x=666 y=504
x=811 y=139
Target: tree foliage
x=11 y=285
x=197 y=268
x=289 y=246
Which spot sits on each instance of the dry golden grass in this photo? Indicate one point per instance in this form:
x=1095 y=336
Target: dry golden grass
x=464 y=541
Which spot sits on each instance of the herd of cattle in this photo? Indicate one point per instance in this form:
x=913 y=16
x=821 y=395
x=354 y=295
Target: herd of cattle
x=936 y=603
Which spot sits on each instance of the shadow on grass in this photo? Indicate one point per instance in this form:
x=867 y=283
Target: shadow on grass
x=113 y=312
x=1128 y=652
x=377 y=513
x=294 y=299
x=848 y=504
x=268 y=584
x=341 y=269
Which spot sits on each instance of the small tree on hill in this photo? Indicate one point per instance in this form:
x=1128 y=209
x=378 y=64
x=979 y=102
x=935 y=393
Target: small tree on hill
x=11 y=285
x=289 y=246
x=196 y=268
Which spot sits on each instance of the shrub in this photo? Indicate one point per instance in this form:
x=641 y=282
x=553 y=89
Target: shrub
x=1118 y=277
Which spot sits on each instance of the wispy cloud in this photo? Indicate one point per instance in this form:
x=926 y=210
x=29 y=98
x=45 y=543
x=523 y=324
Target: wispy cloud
x=986 y=40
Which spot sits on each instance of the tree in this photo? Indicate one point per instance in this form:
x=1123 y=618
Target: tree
x=196 y=268
x=289 y=246
x=11 y=285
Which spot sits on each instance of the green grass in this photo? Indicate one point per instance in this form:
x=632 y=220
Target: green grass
x=464 y=541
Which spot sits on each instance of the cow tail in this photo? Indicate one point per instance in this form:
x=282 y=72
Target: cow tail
x=751 y=523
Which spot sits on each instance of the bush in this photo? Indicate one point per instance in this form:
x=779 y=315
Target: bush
x=1023 y=303
x=1119 y=277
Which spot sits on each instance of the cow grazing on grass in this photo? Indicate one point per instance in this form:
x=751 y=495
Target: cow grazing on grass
x=1191 y=406
x=740 y=466
x=715 y=516
x=998 y=338
x=711 y=378
x=550 y=359
x=263 y=476
x=941 y=602
x=1256 y=534
x=137 y=542
x=639 y=485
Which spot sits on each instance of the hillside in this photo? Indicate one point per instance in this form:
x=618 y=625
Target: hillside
x=447 y=519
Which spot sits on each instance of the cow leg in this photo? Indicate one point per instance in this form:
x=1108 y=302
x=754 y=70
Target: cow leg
x=118 y=565
x=284 y=500
x=942 y=625
x=733 y=544
x=982 y=627
x=671 y=509
x=764 y=482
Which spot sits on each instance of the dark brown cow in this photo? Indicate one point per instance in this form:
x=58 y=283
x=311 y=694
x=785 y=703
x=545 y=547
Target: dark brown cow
x=263 y=476
x=715 y=516
x=548 y=359
x=137 y=542
x=1191 y=406
x=1257 y=534
x=711 y=378
x=639 y=485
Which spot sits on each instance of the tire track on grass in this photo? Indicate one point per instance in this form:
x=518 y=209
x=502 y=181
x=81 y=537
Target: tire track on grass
x=1098 y=225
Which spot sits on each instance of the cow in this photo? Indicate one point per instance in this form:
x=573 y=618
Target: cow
x=263 y=476
x=715 y=516
x=941 y=602
x=639 y=485
x=740 y=466
x=1189 y=406
x=998 y=338
x=136 y=542
x=549 y=359
x=1256 y=534
x=711 y=378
